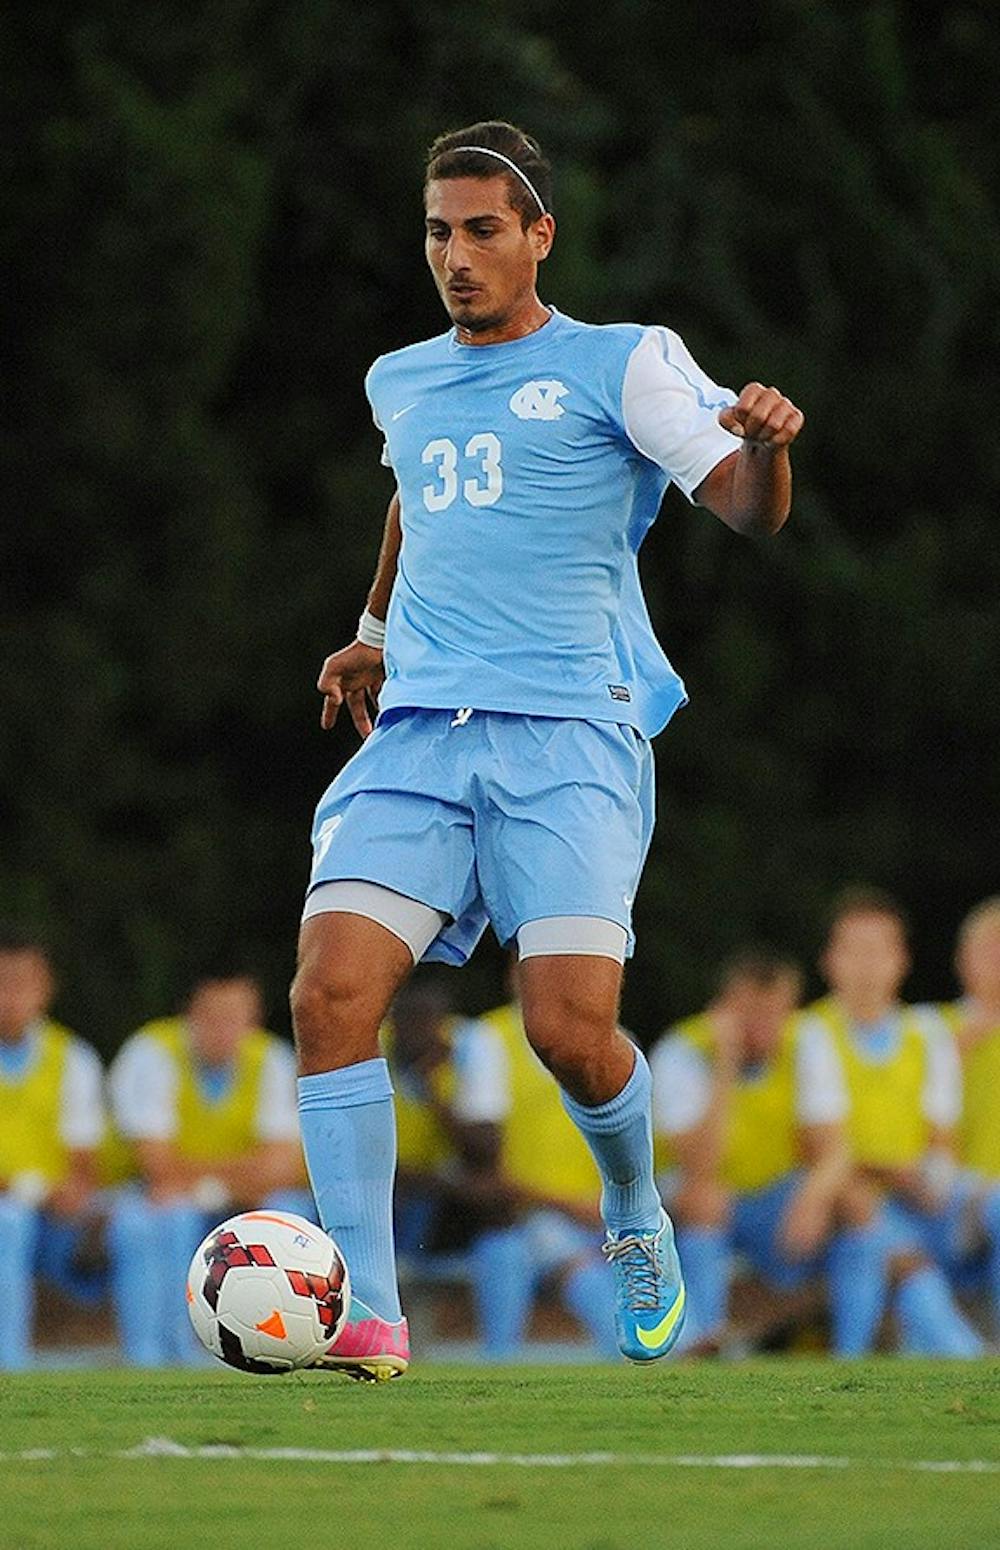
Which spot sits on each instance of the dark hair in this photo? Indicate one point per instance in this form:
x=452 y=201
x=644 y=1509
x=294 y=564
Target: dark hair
x=762 y=966
x=860 y=899
x=446 y=160
x=15 y=938
x=220 y=970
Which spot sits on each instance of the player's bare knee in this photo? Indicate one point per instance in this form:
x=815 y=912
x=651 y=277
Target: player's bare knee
x=333 y=1022
x=563 y=1016
x=565 y=1035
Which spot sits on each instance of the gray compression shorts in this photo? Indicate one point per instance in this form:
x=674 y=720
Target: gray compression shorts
x=417 y=924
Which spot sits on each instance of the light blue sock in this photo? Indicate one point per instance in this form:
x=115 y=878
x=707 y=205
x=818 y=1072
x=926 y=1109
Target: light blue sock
x=588 y=1293
x=857 y=1281
x=349 y=1138
x=929 y=1322
x=140 y=1280
x=703 y=1255
x=18 y=1233
x=620 y=1135
x=180 y=1228
x=502 y=1283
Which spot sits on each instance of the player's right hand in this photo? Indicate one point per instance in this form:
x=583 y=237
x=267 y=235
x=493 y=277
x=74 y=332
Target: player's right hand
x=355 y=675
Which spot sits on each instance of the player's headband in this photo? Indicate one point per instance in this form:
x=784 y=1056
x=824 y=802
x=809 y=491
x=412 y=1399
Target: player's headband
x=484 y=150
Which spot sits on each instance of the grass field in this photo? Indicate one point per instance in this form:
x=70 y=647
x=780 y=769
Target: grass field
x=880 y=1420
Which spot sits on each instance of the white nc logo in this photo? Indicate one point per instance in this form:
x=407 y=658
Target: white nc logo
x=539 y=400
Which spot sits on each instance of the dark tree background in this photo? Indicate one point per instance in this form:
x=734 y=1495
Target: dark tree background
x=212 y=225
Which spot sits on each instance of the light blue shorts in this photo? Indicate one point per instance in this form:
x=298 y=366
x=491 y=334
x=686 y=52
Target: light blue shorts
x=943 y=1235
x=492 y=817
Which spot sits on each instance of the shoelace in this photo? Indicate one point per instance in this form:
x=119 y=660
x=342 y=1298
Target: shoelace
x=641 y=1266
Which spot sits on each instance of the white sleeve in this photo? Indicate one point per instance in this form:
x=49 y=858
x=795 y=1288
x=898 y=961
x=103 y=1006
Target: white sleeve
x=278 y=1109
x=143 y=1085
x=942 y=1097
x=81 y=1102
x=820 y=1086
x=670 y=410
x=482 y=1071
x=682 y=1085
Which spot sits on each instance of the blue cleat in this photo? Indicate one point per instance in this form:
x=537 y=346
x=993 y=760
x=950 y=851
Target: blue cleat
x=649 y=1291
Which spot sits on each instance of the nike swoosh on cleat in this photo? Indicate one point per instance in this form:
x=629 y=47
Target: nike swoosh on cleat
x=651 y=1338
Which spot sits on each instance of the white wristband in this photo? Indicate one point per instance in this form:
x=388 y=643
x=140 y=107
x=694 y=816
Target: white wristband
x=371 y=631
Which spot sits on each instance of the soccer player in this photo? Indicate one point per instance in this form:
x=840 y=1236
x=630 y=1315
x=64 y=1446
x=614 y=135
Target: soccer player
x=205 y=1112
x=509 y=777
x=750 y=1126
x=975 y=1019
x=898 y=1070
x=51 y=1124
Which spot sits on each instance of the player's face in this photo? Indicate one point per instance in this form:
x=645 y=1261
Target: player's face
x=483 y=261
x=978 y=962
x=866 y=959
x=219 y=1014
x=25 y=991
x=761 y=1012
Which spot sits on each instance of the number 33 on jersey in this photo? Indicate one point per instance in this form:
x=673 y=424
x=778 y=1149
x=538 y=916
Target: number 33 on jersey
x=481 y=489
x=529 y=472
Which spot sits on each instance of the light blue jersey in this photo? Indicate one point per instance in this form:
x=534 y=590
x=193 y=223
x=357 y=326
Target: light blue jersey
x=529 y=473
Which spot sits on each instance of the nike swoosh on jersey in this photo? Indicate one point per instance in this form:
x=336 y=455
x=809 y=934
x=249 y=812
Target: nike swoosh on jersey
x=399 y=413
x=651 y=1338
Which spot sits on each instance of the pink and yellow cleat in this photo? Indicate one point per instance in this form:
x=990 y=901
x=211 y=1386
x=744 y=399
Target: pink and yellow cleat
x=369 y=1348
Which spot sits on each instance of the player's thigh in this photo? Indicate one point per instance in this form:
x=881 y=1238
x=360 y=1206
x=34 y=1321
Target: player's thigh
x=565 y=823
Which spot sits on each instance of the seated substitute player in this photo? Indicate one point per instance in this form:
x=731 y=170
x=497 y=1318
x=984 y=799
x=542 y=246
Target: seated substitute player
x=489 y=1161
x=206 y=1124
x=443 y=1071
x=51 y=1123
x=975 y=1020
x=749 y=1126
x=553 y=1188
x=510 y=775
x=898 y=1070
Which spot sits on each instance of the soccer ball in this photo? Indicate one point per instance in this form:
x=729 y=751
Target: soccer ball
x=268 y=1292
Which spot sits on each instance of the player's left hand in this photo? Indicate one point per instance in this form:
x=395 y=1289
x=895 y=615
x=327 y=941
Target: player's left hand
x=353 y=676
x=763 y=416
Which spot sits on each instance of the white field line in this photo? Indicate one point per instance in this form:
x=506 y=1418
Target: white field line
x=166 y=1448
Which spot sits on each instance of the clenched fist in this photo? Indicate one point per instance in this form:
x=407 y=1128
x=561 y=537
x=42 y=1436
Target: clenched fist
x=764 y=416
